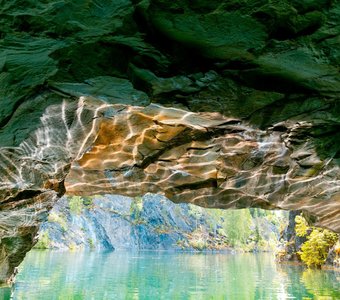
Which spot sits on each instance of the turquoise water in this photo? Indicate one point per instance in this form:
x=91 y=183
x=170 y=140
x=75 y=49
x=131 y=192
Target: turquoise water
x=167 y=275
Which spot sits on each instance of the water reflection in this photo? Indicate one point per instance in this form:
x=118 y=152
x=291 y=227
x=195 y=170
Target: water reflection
x=168 y=275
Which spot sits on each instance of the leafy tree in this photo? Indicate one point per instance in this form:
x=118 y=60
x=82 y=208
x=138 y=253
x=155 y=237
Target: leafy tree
x=44 y=241
x=315 y=250
x=237 y=225
x=301 y=226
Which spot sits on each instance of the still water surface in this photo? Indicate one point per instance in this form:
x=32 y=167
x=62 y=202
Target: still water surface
x=49 y=275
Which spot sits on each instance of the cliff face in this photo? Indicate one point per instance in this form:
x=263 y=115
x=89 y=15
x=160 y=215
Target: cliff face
x=219 y=103
x=153 y=222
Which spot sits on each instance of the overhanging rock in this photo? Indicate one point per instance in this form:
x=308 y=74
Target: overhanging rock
x=88 y=147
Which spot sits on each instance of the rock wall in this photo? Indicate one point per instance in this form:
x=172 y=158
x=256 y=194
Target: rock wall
x=153 y=222
x=219 y=103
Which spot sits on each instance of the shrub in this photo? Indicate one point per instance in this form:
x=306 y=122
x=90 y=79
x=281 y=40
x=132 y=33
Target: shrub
x=315 y=250
x=199 y=244
x=43 y=241
x=91 y=243
x=136 y=207
x=76 y=205
x=55 y=218
x=88 y=201
x=301 y=226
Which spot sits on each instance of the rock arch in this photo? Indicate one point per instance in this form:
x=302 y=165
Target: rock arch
x=88 y=146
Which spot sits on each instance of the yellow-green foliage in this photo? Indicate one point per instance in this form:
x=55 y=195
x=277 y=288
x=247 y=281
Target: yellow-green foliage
x=337 y=248
x=195 y=211
x=238 y=226
x=314 y=251
x=76 y=204
x=136 y=207
x=138 y=203
x=55 y=218
x=44 y=241
x=235 y=223
x=72 y=247
x=198 y=244
x=88 y=201
x=301 y=226
x=91 y=243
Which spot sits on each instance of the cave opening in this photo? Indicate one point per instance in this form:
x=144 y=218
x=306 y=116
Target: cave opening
x=89 y=147
x=220 y=104
x=111 y=238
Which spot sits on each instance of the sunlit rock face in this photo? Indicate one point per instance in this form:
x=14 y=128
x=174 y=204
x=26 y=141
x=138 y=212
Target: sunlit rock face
x=203 y=158
x=32 y=176
x=219 y=103
x=208 y=160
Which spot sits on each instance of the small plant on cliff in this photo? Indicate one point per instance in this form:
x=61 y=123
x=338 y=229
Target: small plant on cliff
x=76 y=205
x=136 y=208
x=199 y=245
x=88 y=201
x=314 y=251
x=301 y=226
x=55 y=218
x=91 y=243
x=44 y=241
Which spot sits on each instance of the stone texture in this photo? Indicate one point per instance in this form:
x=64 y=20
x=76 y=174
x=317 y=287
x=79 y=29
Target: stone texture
x=271 y=68
x=19 y=224
x=109 y=89
x=293 y=241
x=204 y=158
x=227 y=36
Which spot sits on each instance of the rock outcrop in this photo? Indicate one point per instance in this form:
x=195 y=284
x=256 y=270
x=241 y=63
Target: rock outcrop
x=220 y=103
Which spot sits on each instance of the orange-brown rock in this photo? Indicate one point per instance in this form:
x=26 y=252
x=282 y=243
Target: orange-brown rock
x=208 y=160
x=91 y=147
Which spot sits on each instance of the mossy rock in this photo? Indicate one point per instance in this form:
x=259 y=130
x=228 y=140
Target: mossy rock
x=218 y=35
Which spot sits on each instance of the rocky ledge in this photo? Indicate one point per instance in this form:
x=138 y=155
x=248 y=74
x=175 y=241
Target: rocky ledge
x=225 y=104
